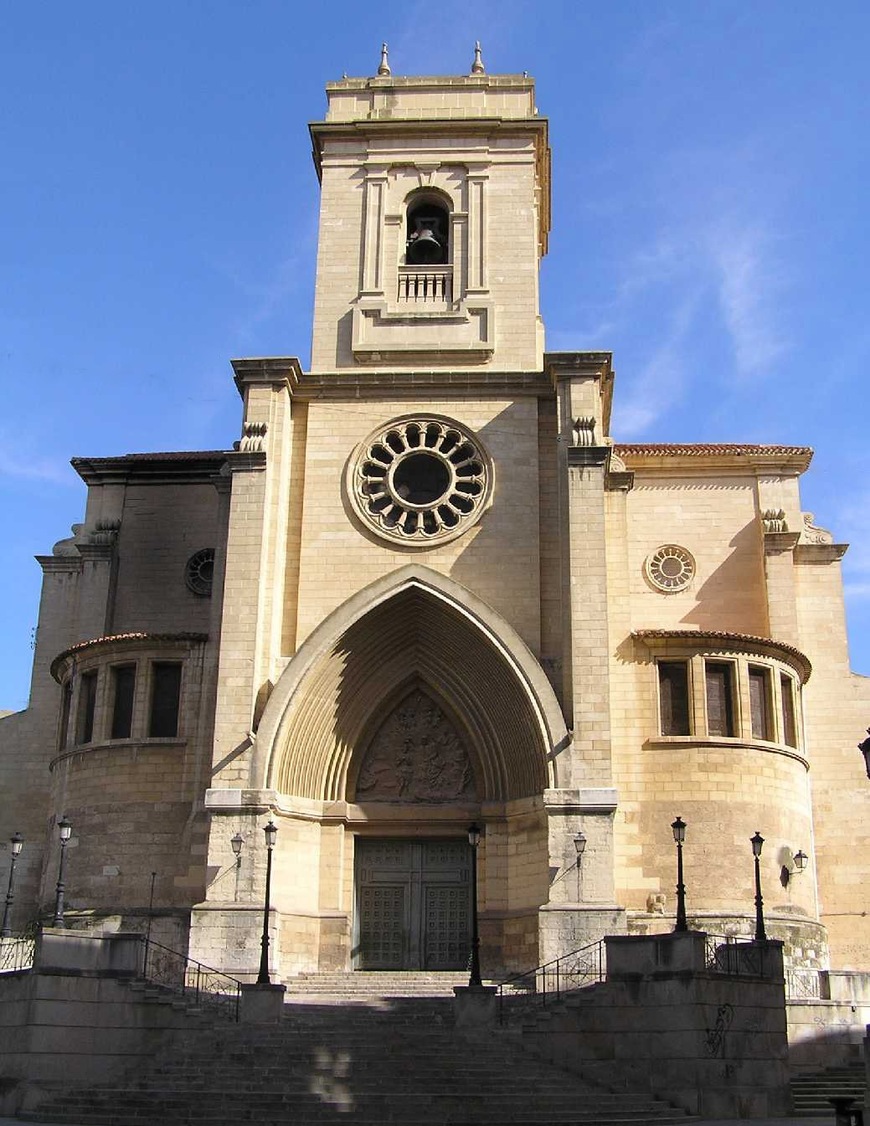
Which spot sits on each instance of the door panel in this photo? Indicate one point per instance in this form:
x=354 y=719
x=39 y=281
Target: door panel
x=413 y=904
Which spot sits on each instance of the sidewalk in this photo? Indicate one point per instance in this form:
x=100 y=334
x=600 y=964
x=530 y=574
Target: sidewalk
x=826 y=1121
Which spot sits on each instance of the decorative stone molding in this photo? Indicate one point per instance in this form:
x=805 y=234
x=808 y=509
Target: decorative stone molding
x=67 y=547
x=812 y=533
x=583 y=431
x=774 y=520
x=670 y=568
x=416 y=755
x=420 y=480
x=253 y=437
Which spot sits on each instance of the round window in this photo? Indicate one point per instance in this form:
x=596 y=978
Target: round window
x=670 y=568
x=420 y=480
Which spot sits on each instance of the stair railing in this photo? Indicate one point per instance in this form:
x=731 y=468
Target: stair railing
x=549 y=982
x=203 y=985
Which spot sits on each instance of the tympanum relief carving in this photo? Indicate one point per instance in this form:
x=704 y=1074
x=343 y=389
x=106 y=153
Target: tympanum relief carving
x=416 y=755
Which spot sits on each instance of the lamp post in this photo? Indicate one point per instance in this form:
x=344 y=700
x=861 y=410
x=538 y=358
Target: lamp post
x=16 y=845
x=579 y=848
x=271 y=832
x=64 y=828
x=474 y=834
x=757 y=841
x=679 y=830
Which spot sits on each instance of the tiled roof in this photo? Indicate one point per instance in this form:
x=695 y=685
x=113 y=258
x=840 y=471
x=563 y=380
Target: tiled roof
x=706 y=449
x=732 y=640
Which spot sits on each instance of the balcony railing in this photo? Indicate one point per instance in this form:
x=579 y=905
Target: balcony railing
x=433 y=285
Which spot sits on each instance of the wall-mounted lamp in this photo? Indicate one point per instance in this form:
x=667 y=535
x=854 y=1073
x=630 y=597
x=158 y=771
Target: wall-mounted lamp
x=236 y=843
x=579 y=848
x=798 y=864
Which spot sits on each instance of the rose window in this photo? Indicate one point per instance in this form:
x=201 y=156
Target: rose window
x=421 y=480
x=670 y=568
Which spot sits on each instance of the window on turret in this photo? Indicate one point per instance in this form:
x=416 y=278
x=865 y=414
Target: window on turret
x=165 y=698
x=86 y=707
x=761 y=712
x=123 y=690
x=720 y=697
x=674 y=697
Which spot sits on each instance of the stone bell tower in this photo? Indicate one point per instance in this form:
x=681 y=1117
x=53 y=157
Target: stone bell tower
x=434 y=215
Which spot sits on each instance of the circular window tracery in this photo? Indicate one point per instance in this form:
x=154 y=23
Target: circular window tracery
x=199 y=572
x=421 y=480
x=671 y=568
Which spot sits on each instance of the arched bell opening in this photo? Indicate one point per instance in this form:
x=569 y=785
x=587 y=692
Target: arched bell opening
x=427 y=229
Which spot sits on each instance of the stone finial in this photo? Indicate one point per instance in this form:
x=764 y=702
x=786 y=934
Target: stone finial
x=477 y=66
x=253 y=437
x=773 y=520
x=583 y=431
x=384 y=69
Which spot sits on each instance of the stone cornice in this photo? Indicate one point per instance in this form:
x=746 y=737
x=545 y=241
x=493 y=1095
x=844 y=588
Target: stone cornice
x=820 y=552
x=354 y=385
x=721 y=456
x=190 y=467
x=60 y=564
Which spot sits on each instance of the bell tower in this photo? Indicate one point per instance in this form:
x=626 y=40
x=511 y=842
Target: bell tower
x=434 y=216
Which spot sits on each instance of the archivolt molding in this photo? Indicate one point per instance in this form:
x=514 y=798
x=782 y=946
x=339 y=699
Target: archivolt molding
x=412 y=625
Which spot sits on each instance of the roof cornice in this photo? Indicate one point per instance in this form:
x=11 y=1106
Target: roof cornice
x=728 y=456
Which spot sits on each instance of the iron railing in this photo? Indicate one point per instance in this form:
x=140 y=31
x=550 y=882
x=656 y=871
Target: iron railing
x=549 y=982
x=17 y=953
x=193 y=980
x=803 y=985
x=726 y=954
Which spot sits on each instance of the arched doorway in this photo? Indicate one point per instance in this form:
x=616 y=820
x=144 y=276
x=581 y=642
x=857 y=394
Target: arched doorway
x=412 y=712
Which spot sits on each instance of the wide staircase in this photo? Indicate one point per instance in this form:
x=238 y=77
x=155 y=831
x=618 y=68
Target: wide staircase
x=375 y=1050
x=812 y=1092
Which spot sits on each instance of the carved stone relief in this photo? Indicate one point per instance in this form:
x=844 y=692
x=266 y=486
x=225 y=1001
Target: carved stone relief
x=416 y=755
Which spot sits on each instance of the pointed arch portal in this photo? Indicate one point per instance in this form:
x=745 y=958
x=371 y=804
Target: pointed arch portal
x=416 y=627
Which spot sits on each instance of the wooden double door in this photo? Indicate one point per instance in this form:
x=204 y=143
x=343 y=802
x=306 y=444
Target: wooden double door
x=413 y=904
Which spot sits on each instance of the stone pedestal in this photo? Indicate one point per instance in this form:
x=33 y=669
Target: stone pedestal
x=475 y=1007
x=262 y=1004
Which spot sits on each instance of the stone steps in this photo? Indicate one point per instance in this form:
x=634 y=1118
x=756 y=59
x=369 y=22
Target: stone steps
x=811 y=1093
x=374 y=1058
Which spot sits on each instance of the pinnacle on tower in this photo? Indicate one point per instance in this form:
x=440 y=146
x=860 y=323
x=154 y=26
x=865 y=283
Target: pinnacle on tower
x=384 y=69
x=477 y=66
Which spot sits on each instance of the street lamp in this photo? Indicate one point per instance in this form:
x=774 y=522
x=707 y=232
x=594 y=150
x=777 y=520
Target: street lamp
x=757 y=841
x=864 y=748
x=271 y=832
x=16 y=844
x=236 y=843
x=474 y=834
x=64 y=829
x=579 y=848
x=679 y=830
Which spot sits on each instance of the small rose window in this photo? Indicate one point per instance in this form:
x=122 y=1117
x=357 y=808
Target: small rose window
x=670 y=569
x=421 y=480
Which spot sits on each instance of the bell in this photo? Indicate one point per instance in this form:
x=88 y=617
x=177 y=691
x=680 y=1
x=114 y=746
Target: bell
x=425 y=245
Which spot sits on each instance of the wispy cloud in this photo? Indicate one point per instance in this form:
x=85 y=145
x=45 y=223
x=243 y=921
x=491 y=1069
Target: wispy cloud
x=19 y=462
x=748 y=281
x=662 y=377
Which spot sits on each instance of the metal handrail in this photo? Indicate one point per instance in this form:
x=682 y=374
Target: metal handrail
x=549 y=982
x=204 y=985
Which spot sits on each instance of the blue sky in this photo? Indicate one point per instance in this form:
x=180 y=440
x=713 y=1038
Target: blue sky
x=158 y=212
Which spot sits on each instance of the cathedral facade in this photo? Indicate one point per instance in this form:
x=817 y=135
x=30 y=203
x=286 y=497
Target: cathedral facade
x=427 y=589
